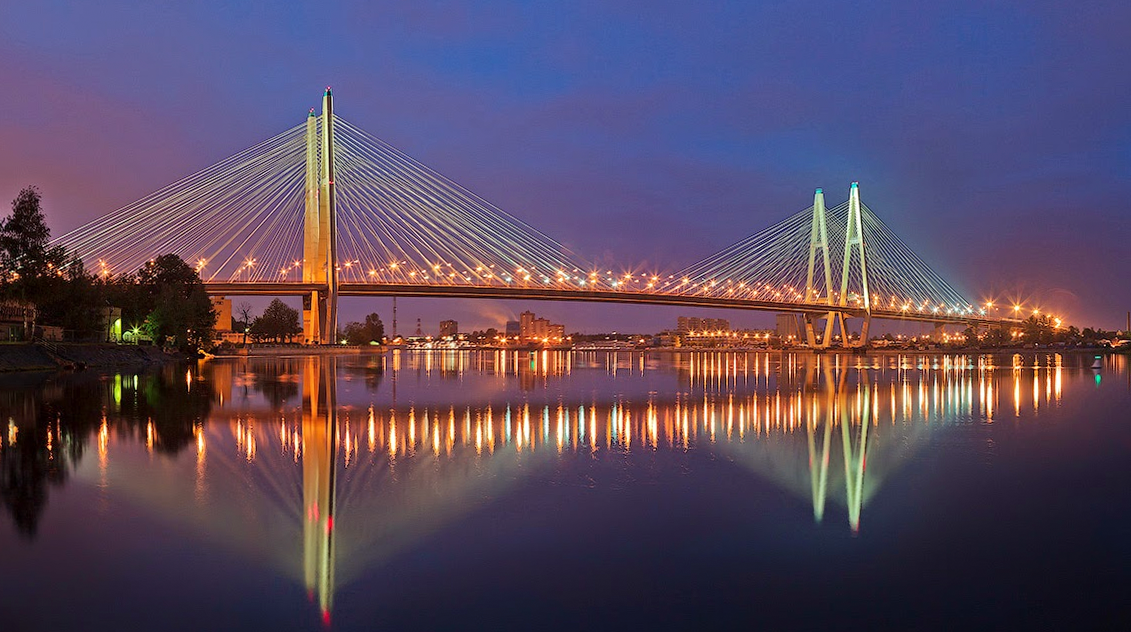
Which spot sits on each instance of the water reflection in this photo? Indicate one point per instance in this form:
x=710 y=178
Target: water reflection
x=319 y=426
x=323 y=468
x=50 y=420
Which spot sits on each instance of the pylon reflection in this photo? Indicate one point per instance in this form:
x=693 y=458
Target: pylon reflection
x=319 y=424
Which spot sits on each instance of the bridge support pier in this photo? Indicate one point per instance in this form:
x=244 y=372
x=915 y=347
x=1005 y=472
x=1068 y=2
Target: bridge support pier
x=865 y=324
x=832 y=320
x=313 y=316
x=846 y=335
x=824 y=341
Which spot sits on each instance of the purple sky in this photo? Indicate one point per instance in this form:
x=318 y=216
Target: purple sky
x=994 y=138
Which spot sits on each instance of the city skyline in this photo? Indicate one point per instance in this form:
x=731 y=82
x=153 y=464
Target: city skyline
x=627 y=136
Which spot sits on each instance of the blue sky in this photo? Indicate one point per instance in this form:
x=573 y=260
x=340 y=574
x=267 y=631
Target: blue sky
x=994 y=137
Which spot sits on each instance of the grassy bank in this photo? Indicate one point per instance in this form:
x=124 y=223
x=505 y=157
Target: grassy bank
x=54 y=356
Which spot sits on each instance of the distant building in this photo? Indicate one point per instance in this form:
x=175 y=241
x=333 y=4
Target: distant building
x=449 y=328
x=717 y=324
x=526 y=325
x=513 y=330
x=696 y=325
x=789 y=328
x=683 y=324
x=534 y=329
x=16 y=320
x=223 y=309
x=743 y=338
x=556 y=332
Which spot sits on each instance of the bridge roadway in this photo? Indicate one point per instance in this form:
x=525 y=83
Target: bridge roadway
x=539 y=293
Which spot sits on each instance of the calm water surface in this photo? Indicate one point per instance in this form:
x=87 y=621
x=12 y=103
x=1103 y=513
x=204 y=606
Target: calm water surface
x=518 y=490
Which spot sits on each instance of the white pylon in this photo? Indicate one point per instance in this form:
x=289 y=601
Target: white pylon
x=327 y=244
x=819 y=240
x=854 y=236
x=854 y=240
x=312 y=272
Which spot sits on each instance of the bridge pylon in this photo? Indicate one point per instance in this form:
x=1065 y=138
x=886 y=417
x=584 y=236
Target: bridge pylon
x=855 y=450
x=320 y=308
x=820 y=374
x=819 y=240
x=854 y=236
x=854 y=242
x=319 y=421
x=853 y=245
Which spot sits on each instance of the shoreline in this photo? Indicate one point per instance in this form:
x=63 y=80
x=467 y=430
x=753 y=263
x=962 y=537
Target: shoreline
x=384 y=349
x=77 y=356
x=65 y=357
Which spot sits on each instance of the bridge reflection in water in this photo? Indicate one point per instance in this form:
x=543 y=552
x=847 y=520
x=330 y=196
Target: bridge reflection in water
x=365 y=455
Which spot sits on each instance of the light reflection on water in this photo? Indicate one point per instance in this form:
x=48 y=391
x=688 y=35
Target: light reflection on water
x=323 y=467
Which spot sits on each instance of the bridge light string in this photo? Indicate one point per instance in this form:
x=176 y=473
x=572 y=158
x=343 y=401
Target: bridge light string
x=768 y=265
x=175 y=212
x=400 y=222
x=392 y=209
x=213 y=218
x=268 y=238
x=450 y=200
x=772 y=265
x=904 y=270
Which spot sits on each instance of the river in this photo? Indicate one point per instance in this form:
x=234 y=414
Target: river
x=569 y=490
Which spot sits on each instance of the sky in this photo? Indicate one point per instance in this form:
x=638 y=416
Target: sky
x=993 y=137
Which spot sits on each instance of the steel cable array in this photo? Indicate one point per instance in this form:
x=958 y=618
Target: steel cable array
x=399 y=222
x=772 y=265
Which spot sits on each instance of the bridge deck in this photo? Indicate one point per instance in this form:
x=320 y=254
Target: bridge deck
x=539 y=293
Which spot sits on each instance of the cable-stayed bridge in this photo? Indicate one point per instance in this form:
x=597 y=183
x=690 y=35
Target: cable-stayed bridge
x=325 y=210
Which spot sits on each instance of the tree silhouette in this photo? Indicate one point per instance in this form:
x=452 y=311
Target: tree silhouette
x=278 y=322
x=55 y=418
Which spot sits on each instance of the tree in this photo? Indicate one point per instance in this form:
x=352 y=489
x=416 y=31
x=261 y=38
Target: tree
x=996 y=336
x=244 y=310
x=1038 y=329
x=351 y=333
x=56 y=423
x=33 y=271
x=23 y=239
x=971 y=335
x=279 y=322
x=370 y=332
x=180 y=309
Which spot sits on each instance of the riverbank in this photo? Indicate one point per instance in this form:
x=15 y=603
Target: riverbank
x=298 y=350
x=879 y=351
x=40 y=356
x=255 y=351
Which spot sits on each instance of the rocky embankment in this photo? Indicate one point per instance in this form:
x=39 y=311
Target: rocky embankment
x=48 y=356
